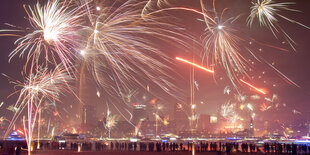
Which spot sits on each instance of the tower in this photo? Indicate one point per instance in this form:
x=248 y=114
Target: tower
x=89 y=118
x=251 y=128
x=87 y=98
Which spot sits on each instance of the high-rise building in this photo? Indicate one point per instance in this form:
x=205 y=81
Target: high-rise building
x=89 y=118
x=139 y=113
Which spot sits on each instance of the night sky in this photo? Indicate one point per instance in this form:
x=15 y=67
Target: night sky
x=295 y=65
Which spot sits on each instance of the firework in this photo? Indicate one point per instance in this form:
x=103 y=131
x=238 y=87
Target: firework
x=13 y=109
x=264 y=107
x=98 y=93
x=295 y=112
x=196 y=65
x=43 y=85
x=226 y=46
x=227 y=90
x=250 y=107
x=255 y=88
x=166 y=120
x=149 y=6
x=121 y=54
x=128 y=97
x=111 y=122
x=54 y=34
x=228 y=110
x=210 y=71
x=267 y=12
x=2 y=119
x=222 y=43
x=163 y=2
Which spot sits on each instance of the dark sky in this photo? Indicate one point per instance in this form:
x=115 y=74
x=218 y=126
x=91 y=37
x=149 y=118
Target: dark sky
x=10 y=12
x=295 y=65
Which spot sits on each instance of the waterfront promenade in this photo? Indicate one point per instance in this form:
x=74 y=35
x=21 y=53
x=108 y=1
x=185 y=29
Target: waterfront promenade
x=150 y=148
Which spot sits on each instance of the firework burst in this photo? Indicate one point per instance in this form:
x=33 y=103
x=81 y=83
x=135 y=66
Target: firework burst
x=267 y=12
x=228 y=110
x=121 y=54
x=54 y=34
x=222 y=44
x=43 y=85
x=111 y=122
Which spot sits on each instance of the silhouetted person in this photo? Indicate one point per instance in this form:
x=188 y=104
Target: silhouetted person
x=18 y=150
x=134 y=146
x=112 y=145
x=181 y=146
x=294 y=149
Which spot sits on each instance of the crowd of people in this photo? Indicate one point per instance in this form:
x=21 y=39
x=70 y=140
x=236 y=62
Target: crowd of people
x=154 y=146
x=12 y=148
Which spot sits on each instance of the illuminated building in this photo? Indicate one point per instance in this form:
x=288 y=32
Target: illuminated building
x=139 y=113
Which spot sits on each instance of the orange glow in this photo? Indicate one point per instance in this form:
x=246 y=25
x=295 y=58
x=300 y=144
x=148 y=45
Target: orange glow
x=259 y=90
x=79 y=147
x=198 y=66
x=153 y=101
x=55 y=113
x=20 y=132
